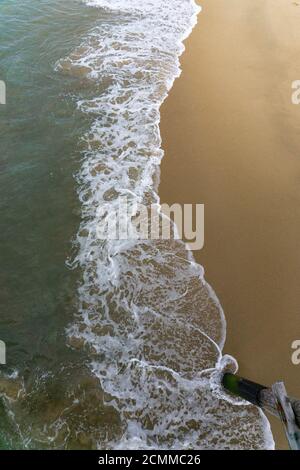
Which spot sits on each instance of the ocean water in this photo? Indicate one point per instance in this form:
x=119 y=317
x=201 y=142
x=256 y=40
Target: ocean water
x=114 y=344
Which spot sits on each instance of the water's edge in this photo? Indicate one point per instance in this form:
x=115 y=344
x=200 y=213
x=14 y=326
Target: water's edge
x=122 y=346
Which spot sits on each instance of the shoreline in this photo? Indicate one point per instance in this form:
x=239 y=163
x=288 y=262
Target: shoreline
x=231 y=141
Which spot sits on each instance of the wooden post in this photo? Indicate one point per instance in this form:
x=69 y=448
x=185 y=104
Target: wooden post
x=287 y=415
x=274 y=400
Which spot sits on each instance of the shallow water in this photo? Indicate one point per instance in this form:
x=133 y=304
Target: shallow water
x=111 y=344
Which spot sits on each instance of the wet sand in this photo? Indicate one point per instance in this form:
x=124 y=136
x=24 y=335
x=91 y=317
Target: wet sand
x=232 y=141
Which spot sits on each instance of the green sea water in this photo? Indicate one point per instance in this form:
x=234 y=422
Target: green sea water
x=40 y=129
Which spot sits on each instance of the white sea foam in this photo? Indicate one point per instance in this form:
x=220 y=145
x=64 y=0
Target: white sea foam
x=153 y=327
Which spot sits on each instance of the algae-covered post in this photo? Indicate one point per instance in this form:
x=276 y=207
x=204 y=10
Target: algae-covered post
x=274 y=400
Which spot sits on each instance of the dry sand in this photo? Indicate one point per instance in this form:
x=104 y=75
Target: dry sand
x=232 y=141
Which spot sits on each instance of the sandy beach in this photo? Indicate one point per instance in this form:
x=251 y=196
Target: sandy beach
x=231 y=137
